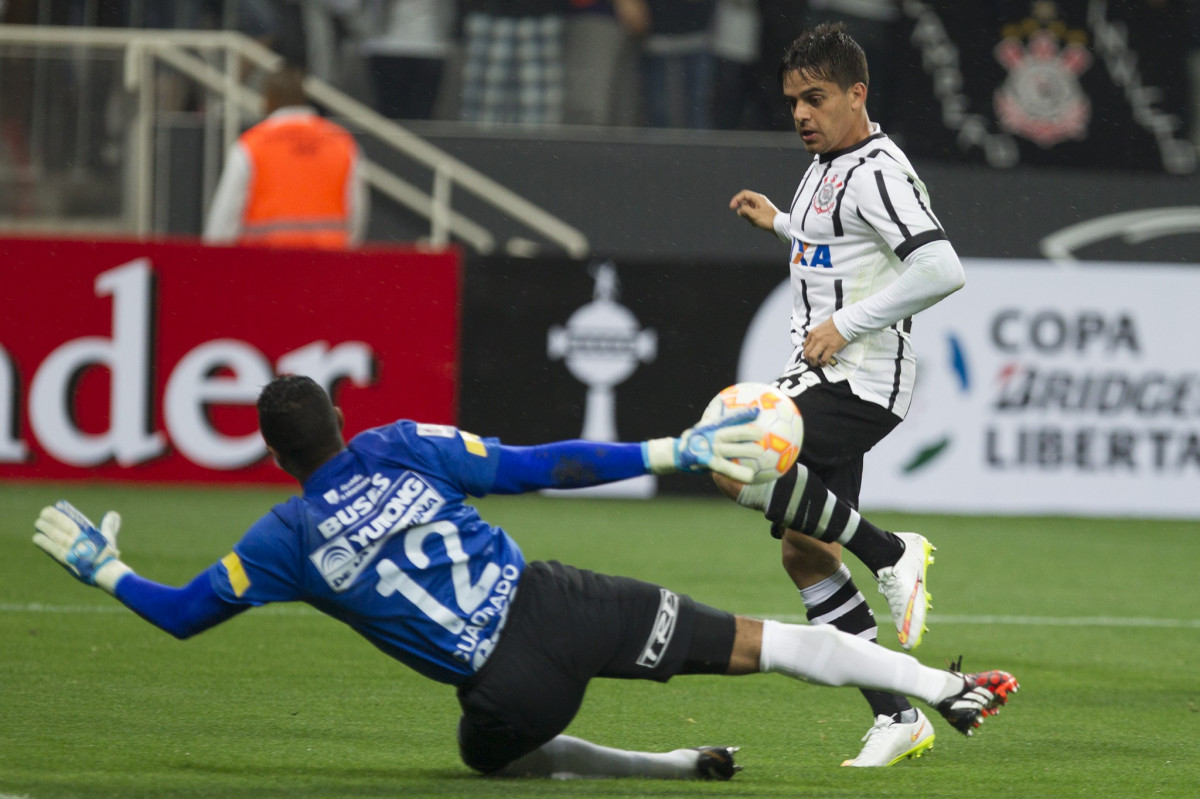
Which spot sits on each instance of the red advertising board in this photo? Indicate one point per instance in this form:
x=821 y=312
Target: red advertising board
x=137 y=361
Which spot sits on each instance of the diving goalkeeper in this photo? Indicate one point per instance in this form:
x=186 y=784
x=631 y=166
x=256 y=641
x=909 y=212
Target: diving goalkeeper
x=382 y=539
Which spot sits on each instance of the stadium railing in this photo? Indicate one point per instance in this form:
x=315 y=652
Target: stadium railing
x=219 y=62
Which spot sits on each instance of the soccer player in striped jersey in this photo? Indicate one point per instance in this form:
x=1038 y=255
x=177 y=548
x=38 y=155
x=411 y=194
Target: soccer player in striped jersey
x=865 y=254
x=383 y=539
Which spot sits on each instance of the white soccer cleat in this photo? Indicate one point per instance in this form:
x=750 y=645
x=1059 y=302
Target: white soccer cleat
x=904 y=586
x=891 y=741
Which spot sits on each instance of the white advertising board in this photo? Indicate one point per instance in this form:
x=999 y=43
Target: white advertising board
x=1041 y=388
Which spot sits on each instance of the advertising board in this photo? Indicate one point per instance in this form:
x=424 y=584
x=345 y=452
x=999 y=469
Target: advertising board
x=1041 y=389
x=139 y=361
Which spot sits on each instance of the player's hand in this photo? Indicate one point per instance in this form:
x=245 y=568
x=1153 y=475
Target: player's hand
x=88 y=552
x=755 y=208
x=822 y=343
x=711 y=447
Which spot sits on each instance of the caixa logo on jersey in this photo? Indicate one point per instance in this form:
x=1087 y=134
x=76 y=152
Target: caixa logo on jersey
x=805 y=254
x=361 y=528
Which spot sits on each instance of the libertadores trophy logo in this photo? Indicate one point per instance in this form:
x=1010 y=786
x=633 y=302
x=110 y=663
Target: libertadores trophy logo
x=602 y=345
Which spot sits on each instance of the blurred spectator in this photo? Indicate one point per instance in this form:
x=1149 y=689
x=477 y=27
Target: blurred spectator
x=314 y=34
x=513 y=70
x=293 y=180
x=1192 y=29
x=601 y=61
x=255 y=18
x=677 y=64
x=780 y=22
x=737 y=102
x=872 y=23
x=18 y=178
x=406 y=54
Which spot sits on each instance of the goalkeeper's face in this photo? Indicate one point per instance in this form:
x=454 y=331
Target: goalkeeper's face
x=827 y=117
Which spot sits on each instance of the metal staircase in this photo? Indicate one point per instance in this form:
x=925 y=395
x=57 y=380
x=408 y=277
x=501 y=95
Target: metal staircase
x=50 y=60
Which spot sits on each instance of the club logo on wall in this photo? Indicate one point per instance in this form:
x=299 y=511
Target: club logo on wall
x=602 y=345
x=1041 y=99
x=1063 y=66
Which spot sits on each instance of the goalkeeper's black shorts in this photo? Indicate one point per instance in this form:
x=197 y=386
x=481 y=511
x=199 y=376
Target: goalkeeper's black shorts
x=565 y=627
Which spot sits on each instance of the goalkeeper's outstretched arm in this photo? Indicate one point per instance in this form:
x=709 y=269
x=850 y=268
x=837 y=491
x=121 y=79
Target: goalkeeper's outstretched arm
x=90 y=554
x=182 y=612
x=574 y=464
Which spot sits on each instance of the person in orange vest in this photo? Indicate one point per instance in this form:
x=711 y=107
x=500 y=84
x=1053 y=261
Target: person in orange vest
x=292 y=180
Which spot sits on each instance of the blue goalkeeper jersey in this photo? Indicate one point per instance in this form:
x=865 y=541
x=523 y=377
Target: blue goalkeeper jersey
x=383 y=540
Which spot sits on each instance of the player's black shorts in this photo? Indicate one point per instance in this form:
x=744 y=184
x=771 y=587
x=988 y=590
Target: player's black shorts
x=565 y=627
x=839 y=428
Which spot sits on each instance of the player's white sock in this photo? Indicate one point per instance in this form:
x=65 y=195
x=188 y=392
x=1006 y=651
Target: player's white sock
x=827 y=656
x=836 y=601
x=565 y=758
x=756 y=495
x=816 y=594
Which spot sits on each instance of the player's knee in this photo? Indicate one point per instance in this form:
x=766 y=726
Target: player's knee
x=480 y=762
x=807 y=561
x=728 y=487
x=479 y=753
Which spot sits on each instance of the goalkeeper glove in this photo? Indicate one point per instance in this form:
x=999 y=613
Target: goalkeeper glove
x=712 y=447
x=89 y=553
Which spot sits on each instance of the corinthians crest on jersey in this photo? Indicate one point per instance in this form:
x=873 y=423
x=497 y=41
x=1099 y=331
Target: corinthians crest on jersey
x=856 y=216
x=826 y=195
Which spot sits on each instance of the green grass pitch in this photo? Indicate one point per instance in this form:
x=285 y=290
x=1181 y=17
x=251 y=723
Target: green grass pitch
x=1100 y=620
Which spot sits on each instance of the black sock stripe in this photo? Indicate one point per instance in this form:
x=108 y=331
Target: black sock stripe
x=839 y=598
x=857 y=619
x=781 y=497
x=812 y=502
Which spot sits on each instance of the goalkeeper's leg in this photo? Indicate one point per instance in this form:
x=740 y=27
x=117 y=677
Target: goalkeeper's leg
x=567 y=757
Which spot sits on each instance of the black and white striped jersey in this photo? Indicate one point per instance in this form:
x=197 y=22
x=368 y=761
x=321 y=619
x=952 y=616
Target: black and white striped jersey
x=857 y=214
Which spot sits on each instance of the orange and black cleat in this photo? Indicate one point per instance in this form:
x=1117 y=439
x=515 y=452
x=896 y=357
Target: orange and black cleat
x=716 y=763
x=981 y=696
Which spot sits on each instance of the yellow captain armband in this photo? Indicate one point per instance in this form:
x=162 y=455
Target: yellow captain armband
x=474 y=443
x=238 y=580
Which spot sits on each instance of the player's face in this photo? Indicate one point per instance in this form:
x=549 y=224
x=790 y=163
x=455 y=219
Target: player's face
x=826 y=117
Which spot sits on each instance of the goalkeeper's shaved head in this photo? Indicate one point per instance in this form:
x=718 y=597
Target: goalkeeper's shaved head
x=299 y=423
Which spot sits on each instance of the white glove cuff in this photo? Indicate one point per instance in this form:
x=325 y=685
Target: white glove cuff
x=108 y=575
x=659 y=455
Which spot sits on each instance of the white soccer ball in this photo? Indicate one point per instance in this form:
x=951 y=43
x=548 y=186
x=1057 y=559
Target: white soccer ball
x=783 y=428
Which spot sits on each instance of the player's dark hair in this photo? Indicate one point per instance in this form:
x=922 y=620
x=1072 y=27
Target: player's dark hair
x=826 y=52
x=297 y=420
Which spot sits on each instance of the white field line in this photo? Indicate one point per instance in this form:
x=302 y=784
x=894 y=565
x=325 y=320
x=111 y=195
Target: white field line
x=1032 y=621
x=114 y=609
x=1019 y=621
